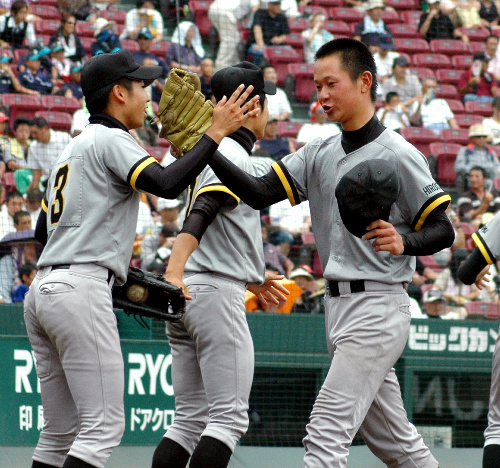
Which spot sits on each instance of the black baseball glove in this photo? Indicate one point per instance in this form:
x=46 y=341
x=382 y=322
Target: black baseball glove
x=149 y=295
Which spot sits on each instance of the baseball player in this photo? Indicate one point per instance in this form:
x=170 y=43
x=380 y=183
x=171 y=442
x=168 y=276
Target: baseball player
x=217 y=253
x=367 y=266
x=471 y=271
x=88 y=227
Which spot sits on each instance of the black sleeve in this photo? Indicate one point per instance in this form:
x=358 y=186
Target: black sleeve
x=423 y=17
x=257 y=192
x=171 y=181
x=420 y=267
x=468 y=271
x=204 y=211
x=41 y=228
x=436 y=234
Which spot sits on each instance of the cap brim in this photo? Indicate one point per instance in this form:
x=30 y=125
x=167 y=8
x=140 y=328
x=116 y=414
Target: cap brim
x=269 y=87
x=145 y=73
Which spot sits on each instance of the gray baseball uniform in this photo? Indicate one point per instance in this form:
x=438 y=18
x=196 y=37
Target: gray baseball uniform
x=367 y=307
x=212 y=350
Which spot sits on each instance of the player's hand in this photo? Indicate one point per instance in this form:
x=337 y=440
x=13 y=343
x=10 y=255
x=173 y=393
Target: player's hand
x=176 y=281
x=483 y=278
x=387 y=239
x=272 y=291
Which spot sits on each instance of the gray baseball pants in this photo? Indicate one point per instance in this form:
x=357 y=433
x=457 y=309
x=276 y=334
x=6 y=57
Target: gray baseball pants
x=212 y=363
x=72 y=329
x=366 y=334
x=492 y=432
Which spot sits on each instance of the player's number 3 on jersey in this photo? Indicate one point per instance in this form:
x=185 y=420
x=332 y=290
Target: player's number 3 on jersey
x=59 y=184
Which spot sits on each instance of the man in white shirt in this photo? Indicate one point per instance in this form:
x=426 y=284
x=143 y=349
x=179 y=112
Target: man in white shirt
x=278 y=104
x=319 y=127
x=491 y=50
x=406 y=84
x=14 y=203
x=393 y=114
x=143 y=16
x=47 y=146
x=384 y=57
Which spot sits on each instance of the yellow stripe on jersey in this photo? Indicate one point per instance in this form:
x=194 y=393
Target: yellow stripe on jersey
x=482 y=248
x=139 y=169
x=438 y=201
x=216 y=188
x=44 y=205
x=284 y=181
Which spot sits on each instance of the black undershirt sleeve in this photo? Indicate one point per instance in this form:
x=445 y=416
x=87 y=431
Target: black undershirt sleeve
x=41 y=228
x=435 y=234
x=468 y=271
x=204 y=211
x=256 y=192
x=171 y=181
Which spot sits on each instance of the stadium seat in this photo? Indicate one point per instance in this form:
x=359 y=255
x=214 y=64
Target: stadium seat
x=475 y=47
x=410 y=45
x=84 y=29
x=87 y=43
x=338 y=28
x=7 y=52
x=289 y=129
x=45 y=11
x=411 y=16
x=447 y=91
x=477 y=107
x=456 y=135
x=21 y=104
x=314 y=9
x=462 y=62
x=482 y=309
x=60 y=103
x=496 y=183
x=47 y=26
x=468 y=229
x=160 y=48
x=391 y=17
x=404 y=30
x=456 y=106
x=18 y=53
x=430 y=262
x=422 y=73
x=114 y=15
x=327 y=3
x=403 y=5
x=475 y=34
x=445 y=173
x=298 y=24
x=429 y=60
x=57 y=120
x=300 y=80
x=9 y=182
x=448 y=46
x=156 y=151
x=347 y=14
x=442 y=147
x=200 y=13
x=280 y=57
x=130 y=44
x=419 y=137
x=449 y=76
x=466 y=120
x=294 y=40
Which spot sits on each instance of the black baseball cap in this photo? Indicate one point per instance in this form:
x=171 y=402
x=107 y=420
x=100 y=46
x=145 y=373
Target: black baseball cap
x=104 y=69
x=366 y=194
x=226 y=81
x=401 y=61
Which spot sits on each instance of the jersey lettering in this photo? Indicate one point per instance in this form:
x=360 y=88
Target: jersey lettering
x=428 y=189
x=57 y=207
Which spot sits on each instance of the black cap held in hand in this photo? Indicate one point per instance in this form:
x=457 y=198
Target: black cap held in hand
x=366 y=194
x=226 y=81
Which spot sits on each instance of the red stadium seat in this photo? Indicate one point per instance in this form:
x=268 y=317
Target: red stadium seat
x=200 y=12
x=327 y=3
x=391 y=17
x=445 y=173
x=476 y=34
x=402 y=4
x=347 y=14
x=294 y=40
x=449 y=76
x=420 y=137
x=483 y=309
x=456 y=135
x=60 y=103
x=404 y=30
x=477 y=107
x=57 y=120
x=298 y=24
x=45 y=11
x=442 y=147
x=84 y=29
x=475 y=47
x=448 y=46
x=462 y=62
x=280 y=57
x=157 y=152
x=410 y=45
x=21 y=104
x=411 y=16
x=430 y=262
x=114 y=15
x=422 y=73
x=301 y=75
x=447 y=91
x=430 y=60
x=160 y=48
x=339 y=28
x=456 y=106
x=130 y=44
x=8 y=52
x=289 y=129
x=466 y=120
x=87 y=43
x=313 y=9
x=496 y=183
x=47 y=26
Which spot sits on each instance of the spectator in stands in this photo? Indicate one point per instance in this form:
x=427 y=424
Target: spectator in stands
x=406 y=84
x=33 y=203
x=168 y=211
x=492 y=124
x=384 y=56
x=43 y=152
x=34 y=77
x=83 y=10
x=435 y=24
x=15 y=30
x=225 y=15
x=278 y=104
x=60 y=62
x=45 y=62
x=372 y=22
x=106 y=39
x=72 y=86
x=481 y=198
x=488 y=13
x=207 y=71
x=269 y=28
x=315 y=36
x=431 y=112
x=372 y=40
x=466 y=14
x=145 y=40
x=144 y=15
x=16 y=158
x=14 y=204
x=276 y=146
x=22 y=220
x=186 y=50
x=273 y=257
x=290 y=8
x=423 y=275
x=319 y=126
x=490 y=49
x=476 y=83
x=80 y=119
x=156 y=248
x=27 y=273
x=476 y=154
x=393 y=114
x=308 y=302
x=8 y=80
x=67 y=36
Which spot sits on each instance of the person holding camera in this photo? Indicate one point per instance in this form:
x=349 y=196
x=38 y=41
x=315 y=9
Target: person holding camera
x=394 y=114
x=144 y=15
x=476 y=83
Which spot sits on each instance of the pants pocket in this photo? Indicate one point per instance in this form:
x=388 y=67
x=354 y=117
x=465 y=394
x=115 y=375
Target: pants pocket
x=56 y=287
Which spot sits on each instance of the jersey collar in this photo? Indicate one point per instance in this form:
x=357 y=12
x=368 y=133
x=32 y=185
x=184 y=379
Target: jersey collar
x=108 y=121
x=352 y=141
x=245 y=137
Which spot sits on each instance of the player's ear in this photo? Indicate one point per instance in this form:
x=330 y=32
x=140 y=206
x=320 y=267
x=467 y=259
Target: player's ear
x=119 y=93
x=366 y=80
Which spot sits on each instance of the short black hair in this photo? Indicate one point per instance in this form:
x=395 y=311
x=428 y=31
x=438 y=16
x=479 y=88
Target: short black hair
x=170 y=230
x=17 y=6
x=21 y=120
x=390 y=95
x=490 y=36
x=20 y=214
x=355 y=58
x=479 y=168
x=26 y=269
x=40 y=122
x=34 y=195
x=100 y=98
x=13 y=194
